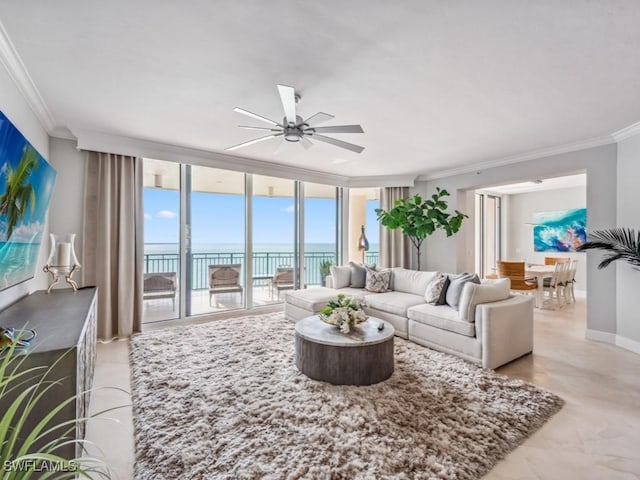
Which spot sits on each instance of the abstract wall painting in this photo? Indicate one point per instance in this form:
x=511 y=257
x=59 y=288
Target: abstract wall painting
x=26 y=185
x=560 y=231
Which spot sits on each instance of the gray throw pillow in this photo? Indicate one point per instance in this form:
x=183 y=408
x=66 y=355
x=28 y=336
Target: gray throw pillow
x=442 y=300
x=454 y=292
x=359 y=274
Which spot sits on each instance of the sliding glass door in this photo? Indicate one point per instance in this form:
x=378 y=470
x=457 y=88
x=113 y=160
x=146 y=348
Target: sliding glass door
x=321 y=232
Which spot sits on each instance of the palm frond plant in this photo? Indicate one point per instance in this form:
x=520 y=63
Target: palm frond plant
x=19 y=195
x=619 y=244
x=420 y=218
x=28 y=451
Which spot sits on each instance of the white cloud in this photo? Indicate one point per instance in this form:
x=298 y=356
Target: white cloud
x=147 y=216
x=288 y=209
x=25 y=233
x=166 y=214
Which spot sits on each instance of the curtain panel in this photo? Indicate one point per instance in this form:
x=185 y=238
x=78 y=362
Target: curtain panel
x=395 y=248
x=113 y=244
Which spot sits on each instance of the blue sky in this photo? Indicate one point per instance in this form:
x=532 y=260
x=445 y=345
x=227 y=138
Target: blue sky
x=220 y=219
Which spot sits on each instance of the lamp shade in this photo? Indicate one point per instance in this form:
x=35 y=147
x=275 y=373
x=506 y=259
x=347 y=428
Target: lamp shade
x=363 y=243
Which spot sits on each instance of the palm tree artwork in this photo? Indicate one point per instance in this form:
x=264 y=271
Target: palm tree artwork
x=19 y=195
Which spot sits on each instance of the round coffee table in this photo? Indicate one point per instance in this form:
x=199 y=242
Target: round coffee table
x=362 y=357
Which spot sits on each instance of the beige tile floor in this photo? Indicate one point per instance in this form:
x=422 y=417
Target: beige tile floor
x=595 y=436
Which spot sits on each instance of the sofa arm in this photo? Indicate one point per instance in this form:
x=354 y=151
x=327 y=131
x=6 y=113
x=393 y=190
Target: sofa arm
x=329 y=281
x=506 y=330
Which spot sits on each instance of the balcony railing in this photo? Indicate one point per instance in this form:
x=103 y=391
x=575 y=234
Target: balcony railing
x=264 y=264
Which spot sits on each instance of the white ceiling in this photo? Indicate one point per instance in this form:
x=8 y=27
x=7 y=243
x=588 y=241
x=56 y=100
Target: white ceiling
x=435 y=85
x=541 y=184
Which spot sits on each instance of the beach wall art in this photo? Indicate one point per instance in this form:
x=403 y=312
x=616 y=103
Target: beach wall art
x=26 y=185
x=560 y=231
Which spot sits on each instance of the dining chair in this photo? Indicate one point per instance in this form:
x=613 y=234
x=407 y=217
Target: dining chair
x=225 y=279
x=570 y=281
x=514 y=271
x=554 y=260
x=555 y=286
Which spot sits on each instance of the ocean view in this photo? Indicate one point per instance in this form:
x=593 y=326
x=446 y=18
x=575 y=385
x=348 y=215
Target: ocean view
x=172 y=248
x=18 y=262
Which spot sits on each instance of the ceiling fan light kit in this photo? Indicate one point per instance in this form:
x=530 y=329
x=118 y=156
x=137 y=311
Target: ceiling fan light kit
x=295 y=129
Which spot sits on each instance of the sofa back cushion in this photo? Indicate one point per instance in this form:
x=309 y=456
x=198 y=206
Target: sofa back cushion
x=410 y=281
x=378 y=281
x=474 y=295
x=434 y=289
x=359 y=274
x=341 y=276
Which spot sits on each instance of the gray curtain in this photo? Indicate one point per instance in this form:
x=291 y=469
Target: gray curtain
x=395 y=248
x=113 y=245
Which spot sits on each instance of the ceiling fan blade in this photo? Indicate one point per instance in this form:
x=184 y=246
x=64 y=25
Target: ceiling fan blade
x=251 y=142
x=255 y=115
x=338 y=143
x=318 y=118
x=340 y=129
x=306 y=143
x=250 y=127
x=279 y=147
x=288 y=98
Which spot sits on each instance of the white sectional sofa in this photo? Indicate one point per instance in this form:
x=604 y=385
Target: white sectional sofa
x=484 y=330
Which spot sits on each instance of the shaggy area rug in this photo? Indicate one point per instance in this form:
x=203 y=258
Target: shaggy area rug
x=225 y=400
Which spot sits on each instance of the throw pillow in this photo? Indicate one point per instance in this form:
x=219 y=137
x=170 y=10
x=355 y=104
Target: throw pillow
x=487 y=292
x=378 y=282
x=341 y=276
x=359 y=274
x=434 y=289
x=442 y=299
x=454 y=292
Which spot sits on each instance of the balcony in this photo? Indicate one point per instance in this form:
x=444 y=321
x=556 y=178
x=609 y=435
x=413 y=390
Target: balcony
x=264 y=265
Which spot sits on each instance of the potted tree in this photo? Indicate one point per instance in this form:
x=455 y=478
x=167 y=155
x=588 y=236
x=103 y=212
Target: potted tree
x=619 y=244
x=325 y=269
x=420 y=218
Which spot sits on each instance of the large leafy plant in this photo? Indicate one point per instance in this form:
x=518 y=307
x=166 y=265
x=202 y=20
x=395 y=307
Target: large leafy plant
x=619 y=243
x=420 y=218
x=33 y=453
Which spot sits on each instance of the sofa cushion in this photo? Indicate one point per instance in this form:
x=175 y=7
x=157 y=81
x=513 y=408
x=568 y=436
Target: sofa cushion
x=442 y=300
x=312 y=299
x=394 y=302
x=359 y=274
x=341 y=276
x=434 y=289
x=474 y=294
x=441 y=316
x=378 y=282
x=354 y=292
x=454 y=292
x=410 y=281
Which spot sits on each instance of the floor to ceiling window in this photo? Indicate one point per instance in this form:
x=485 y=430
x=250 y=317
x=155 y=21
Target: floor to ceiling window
x=488 y=233
x=362 y=218
x=161 y=197
x=321 y=232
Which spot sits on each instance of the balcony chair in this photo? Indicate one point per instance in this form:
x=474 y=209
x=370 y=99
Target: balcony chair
x=225 y=279
x=159 y=285
x=282 y=280
x=514 y=271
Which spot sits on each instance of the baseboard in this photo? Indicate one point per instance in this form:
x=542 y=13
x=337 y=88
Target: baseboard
x=613 y=339
x=628 y=344
x=600 y=336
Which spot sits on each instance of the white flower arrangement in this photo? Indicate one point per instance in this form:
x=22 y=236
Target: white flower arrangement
x=344 y=312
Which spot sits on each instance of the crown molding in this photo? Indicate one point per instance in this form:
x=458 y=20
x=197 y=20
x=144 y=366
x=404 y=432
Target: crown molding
x=102 y=142
x=18 y=72
x=382 y=181
x=521 y=157
x=627 y=132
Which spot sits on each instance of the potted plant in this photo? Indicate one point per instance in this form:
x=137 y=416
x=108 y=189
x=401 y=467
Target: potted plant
x=420 y=218
x=619 y=243
x=325 y=269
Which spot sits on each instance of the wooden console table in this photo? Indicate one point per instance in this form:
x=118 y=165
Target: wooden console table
x=65 y=322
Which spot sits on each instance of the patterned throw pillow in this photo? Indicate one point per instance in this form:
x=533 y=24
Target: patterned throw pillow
x=378 y=281
x=434 y=289
x=359 y=274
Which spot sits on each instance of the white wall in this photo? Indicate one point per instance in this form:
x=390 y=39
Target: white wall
x=628 y=279
x=67 y=203
x=456 y=253
x=522 y=206
x=17 y=110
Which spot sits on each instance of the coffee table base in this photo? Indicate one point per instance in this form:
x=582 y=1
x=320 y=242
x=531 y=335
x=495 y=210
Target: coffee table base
x=342 y=365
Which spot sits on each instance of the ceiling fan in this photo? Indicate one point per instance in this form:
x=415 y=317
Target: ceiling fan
x=294 y=129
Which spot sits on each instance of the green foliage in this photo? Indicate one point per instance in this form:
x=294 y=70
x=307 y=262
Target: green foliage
x=23 y=452
x=19 y=195
x=420 y=218
x=325 y=268
x=619 y=243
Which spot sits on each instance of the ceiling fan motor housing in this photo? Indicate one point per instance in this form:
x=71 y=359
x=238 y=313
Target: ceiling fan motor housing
x=292 y=133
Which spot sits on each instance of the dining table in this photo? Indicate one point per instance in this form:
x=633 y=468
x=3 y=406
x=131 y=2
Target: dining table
x=540 y=272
